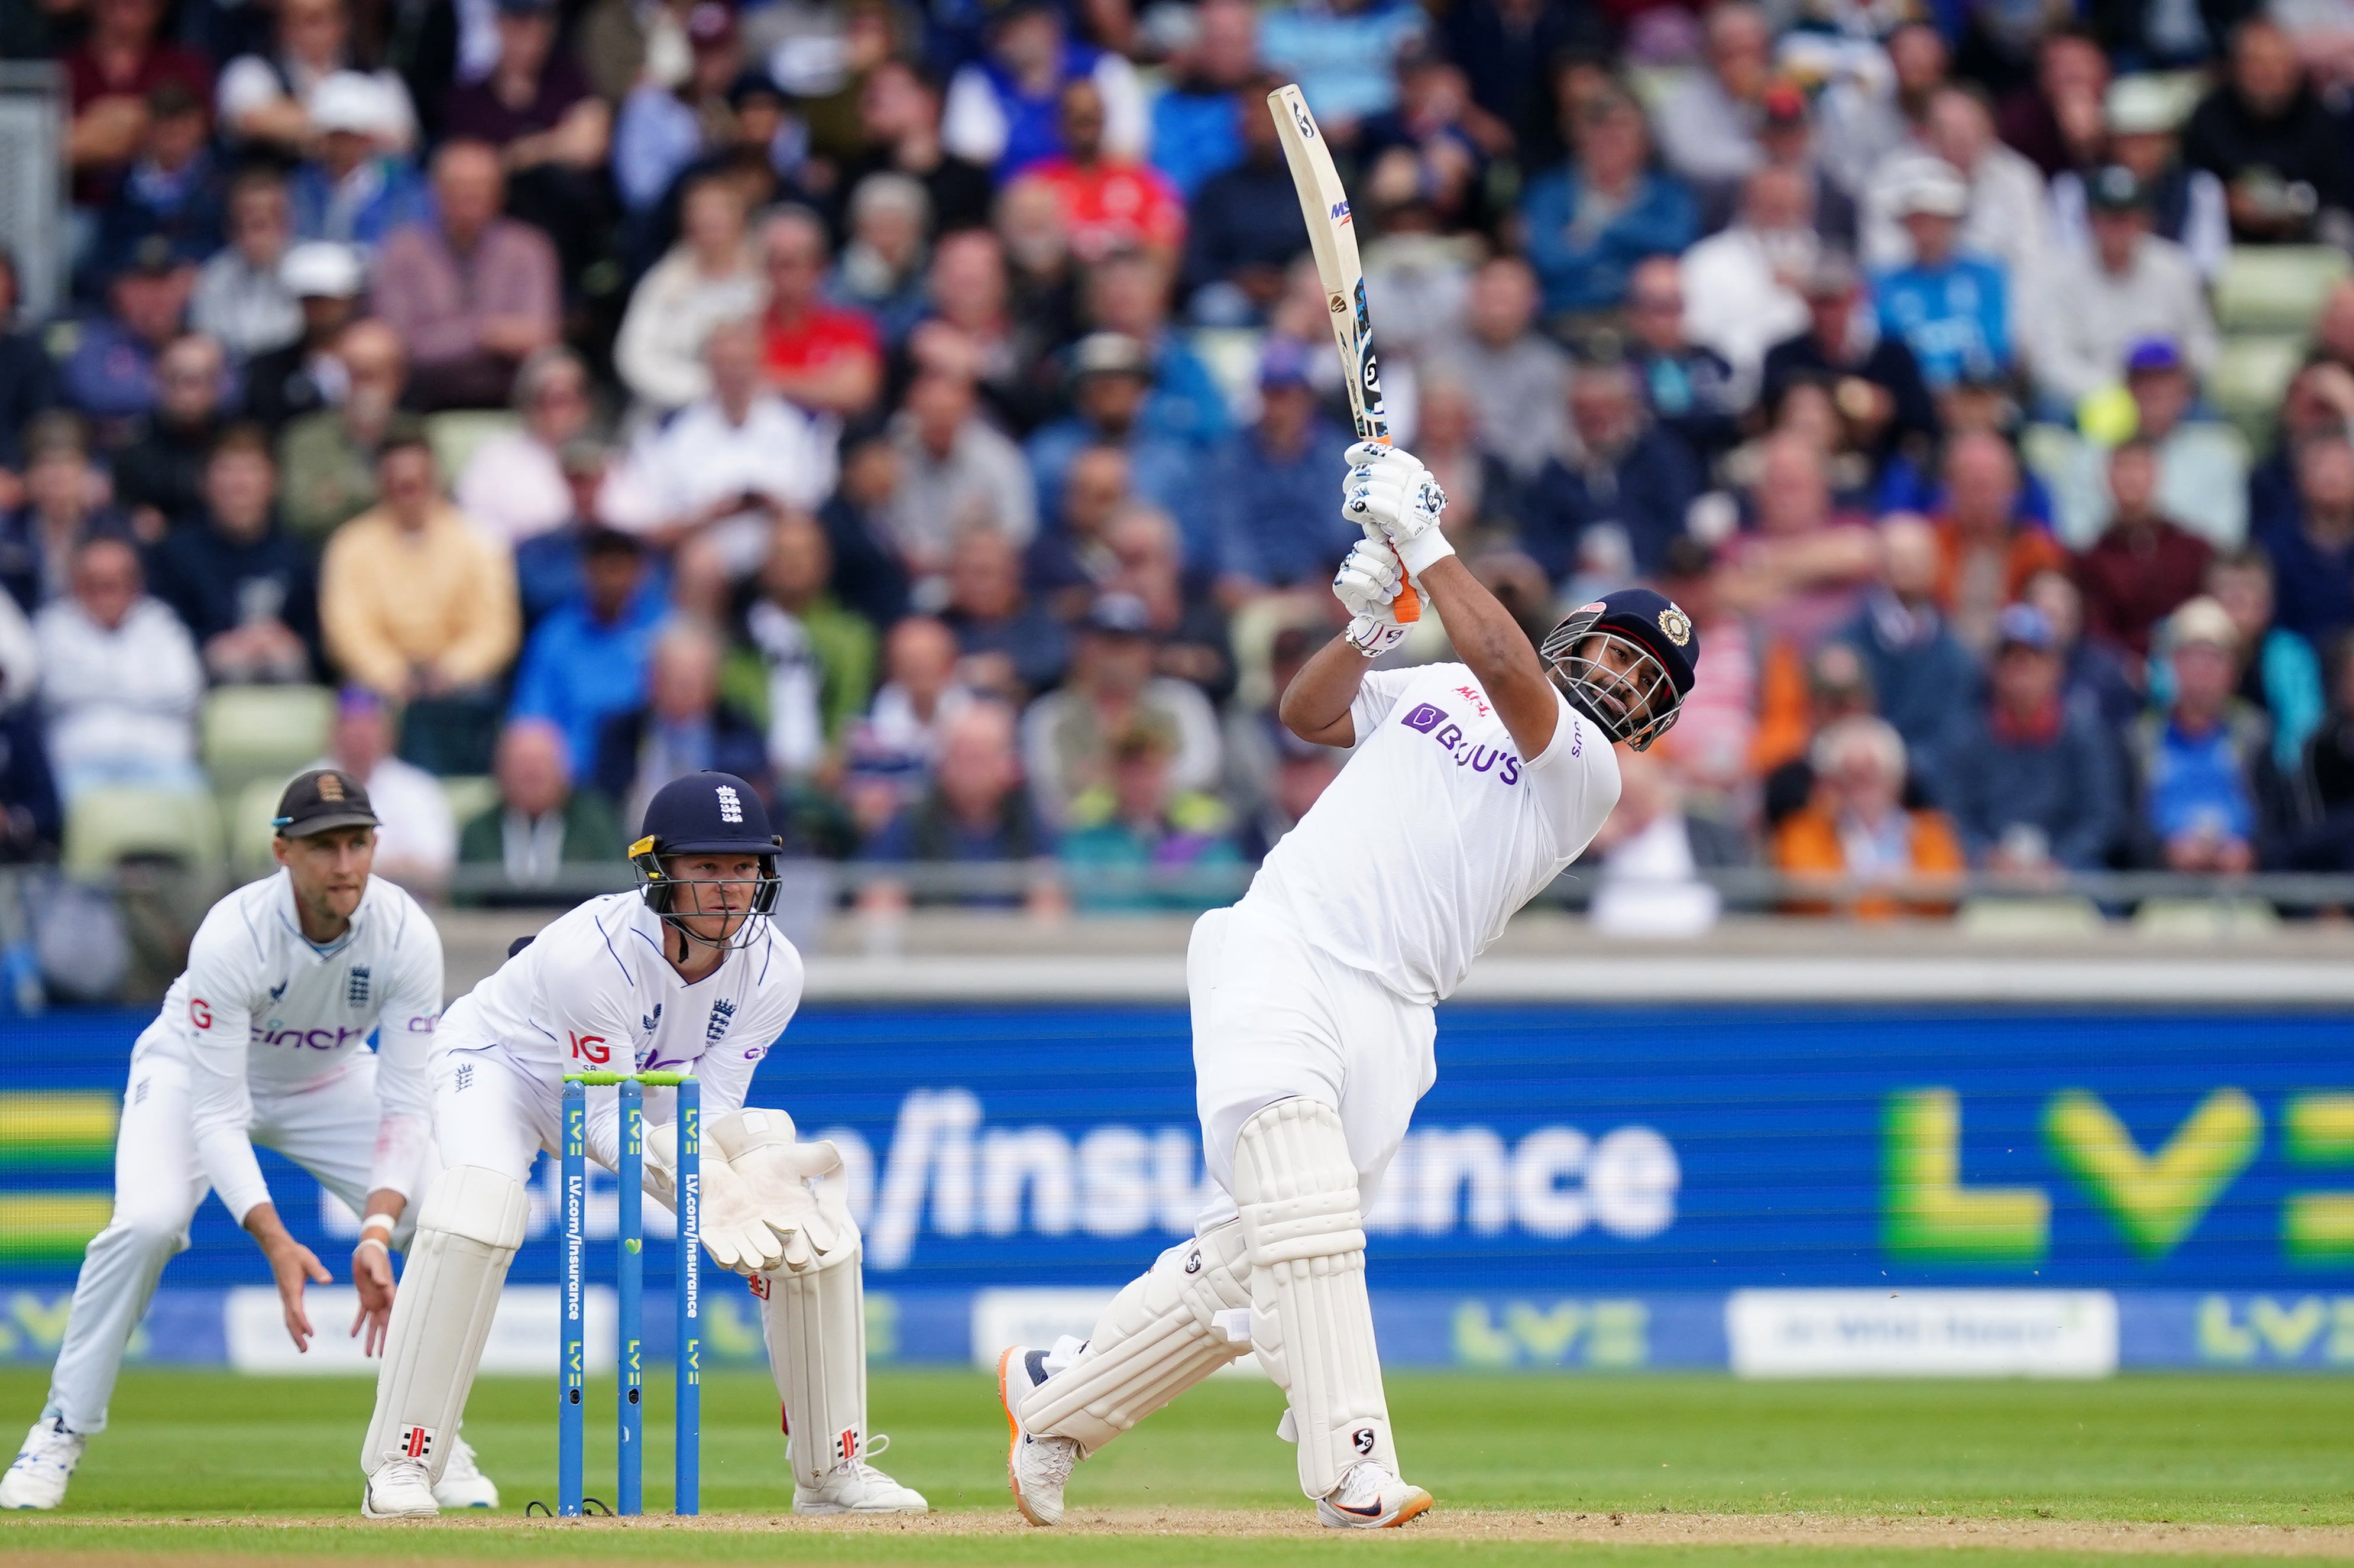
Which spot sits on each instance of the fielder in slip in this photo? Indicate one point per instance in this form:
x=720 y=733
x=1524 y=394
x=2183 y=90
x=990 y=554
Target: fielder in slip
x=264 y=1041
x=687 y=974
x=1471 y=786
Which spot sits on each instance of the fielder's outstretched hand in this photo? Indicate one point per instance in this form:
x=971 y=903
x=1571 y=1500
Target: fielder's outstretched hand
x=1389 y=490
x=1367 y=587
x=372 y=1273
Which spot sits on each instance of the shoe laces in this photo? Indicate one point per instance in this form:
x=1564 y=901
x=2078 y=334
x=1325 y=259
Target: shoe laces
x=1365 y=1484
x=46 y=1441
x=1054 y=1457
x=461 y=1459
x=878 y=1443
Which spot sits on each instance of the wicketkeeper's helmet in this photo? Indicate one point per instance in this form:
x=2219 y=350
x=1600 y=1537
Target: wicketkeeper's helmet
x=703 y=813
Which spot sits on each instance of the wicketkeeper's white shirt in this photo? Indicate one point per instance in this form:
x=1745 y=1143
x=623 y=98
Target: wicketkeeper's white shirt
x=262 y=1011
x=595 y=993
x=1437 y=830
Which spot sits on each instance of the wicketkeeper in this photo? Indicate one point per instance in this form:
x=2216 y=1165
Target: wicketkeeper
x=687 y=974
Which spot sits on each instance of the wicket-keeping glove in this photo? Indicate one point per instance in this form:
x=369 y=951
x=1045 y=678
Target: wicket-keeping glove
x=798 y=1188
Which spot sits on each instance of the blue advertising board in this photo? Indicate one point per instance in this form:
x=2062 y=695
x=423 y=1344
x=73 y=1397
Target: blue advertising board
x=1575 y=1168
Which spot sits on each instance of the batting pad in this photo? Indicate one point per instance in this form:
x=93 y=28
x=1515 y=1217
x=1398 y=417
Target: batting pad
x=468 y=1229
x=1311 y=1321
x=1159 y=1338
x=816 y=1326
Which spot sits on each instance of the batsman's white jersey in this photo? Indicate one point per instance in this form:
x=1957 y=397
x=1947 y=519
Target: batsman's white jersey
x=263 y=1040
x=593 y=993
x=1320 y=982
x=1435 y=832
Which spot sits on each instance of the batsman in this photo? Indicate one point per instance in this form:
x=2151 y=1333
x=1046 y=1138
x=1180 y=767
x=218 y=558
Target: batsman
x=687 y=974
x=1470 y=787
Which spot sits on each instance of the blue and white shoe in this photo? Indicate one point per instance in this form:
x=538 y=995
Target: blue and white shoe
x=44 y=1465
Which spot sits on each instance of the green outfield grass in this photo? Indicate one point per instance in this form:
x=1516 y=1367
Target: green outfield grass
x=2209 y=1450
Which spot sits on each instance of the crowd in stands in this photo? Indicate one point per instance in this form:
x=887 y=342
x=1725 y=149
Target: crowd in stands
x=928 y=413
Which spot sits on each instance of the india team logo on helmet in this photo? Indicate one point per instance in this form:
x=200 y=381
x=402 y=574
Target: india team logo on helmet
x=1625 y=661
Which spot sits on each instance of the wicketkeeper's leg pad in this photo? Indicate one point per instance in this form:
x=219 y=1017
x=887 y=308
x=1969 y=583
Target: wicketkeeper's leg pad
x=815 y=1325
x=1311 y=1323
x=468 y=1229
x=1159 y=1338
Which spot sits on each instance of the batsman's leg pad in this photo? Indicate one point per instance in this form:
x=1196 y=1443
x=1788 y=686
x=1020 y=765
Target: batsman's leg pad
x=1311 y=1324
x=1159 y=1338
x=815 y=1325
x=468 y=1229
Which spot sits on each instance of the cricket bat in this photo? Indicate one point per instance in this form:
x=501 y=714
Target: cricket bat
x=1333 y=238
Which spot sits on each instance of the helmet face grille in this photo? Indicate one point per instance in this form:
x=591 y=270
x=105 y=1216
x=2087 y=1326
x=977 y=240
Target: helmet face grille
x=661 y=891
x=1634 y=706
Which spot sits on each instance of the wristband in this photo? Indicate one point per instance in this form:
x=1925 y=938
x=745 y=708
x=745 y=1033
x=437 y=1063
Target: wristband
x=377 y=1242
x=388 y=1223
x=1425 y=549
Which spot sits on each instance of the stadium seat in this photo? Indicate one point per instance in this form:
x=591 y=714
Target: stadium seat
x=107 y=826
x=251 y=812
x=454 y=435
x=2249 y=378
x=263 y=732
x=2002 y=919
x=2204 y=919
x=469 y=797
x=2276 y=288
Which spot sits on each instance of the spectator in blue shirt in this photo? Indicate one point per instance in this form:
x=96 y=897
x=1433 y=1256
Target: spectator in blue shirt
x=110 y=372
x=245 y=588
x=1591 y=219
x=1953 y=311
x=588 y=660
x=1110 y=379
x=2312 y=547
x=354 y=190
x=1010 y=643
x=1196 y=132
x=1272 y=490
x=1245 y=228
x=2027 y=776
x=1129 y=293
x=173 y=191
x=1342 y=52
x=1920 y=672
x=1629 y=473
x=661 y=130
x=2208 y=792
x=975 y=811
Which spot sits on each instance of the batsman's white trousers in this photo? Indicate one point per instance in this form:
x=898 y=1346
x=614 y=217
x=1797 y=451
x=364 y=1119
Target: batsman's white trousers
x=327 y=1127
x=1276 y=1019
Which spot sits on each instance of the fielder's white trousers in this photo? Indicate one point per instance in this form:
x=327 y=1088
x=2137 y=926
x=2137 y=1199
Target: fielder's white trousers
x=1276 y=1019
x=328 y=1128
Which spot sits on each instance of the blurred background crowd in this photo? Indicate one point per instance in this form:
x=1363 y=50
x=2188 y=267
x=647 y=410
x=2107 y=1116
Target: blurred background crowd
x=927 y=412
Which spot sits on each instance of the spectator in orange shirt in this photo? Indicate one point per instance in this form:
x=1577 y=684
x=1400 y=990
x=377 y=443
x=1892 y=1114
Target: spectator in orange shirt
x=1989 y=553
x=827 y=359
x=1857 y=830
x=1108 y=203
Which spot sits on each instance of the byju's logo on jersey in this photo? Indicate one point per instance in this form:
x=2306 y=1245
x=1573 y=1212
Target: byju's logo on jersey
x=1432 y=720
x=731 y=805
x=723 y=1013
x=357 y=991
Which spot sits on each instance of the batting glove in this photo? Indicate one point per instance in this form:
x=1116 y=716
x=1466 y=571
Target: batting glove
x=1366 y=584
x=810 y=1221
x=1388 y=489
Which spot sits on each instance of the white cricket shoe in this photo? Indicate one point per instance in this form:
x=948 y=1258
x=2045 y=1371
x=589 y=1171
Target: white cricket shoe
x=1370 y=1497
x=1038 y=1468
x=401 y=1490
x=463 y=1483
x=44 y=1465
x=856 y=1487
